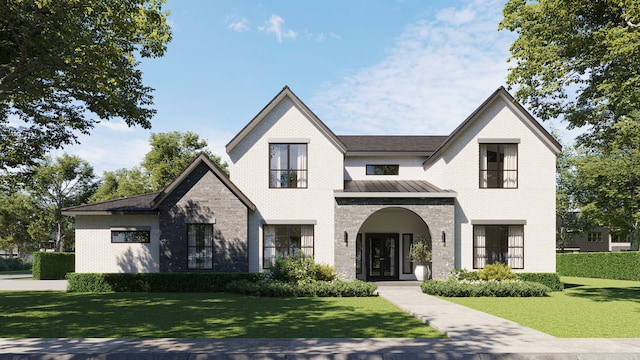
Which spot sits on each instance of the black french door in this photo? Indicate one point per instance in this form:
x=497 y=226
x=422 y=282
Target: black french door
x=382 y=256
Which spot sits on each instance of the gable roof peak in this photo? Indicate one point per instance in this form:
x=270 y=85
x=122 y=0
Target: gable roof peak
x=286 y=92
x=515 y=106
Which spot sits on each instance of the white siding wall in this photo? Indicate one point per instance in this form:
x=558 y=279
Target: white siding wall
x=250 y=172
x=533 y=200
x=96 y=254
x=410 y=167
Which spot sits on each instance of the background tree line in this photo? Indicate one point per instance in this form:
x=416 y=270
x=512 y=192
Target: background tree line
x=31 y=207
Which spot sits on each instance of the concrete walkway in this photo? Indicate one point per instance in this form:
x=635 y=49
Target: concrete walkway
x=472 y=335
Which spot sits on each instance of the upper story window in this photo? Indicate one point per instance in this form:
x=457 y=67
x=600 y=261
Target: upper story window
x=383 y=169
x=499 y=166
x=287 y=165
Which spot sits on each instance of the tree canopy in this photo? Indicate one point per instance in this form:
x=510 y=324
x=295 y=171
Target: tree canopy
x=62 y=62
x=66 y=182
x=607 y=184
x=170 y=154
x=576 y=59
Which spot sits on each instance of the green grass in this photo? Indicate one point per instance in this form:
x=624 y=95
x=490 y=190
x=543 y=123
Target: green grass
x=587 y=308
x=201 y=315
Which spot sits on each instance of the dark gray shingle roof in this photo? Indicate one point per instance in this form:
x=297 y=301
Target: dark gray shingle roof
x=130 y=205
x=392 y=143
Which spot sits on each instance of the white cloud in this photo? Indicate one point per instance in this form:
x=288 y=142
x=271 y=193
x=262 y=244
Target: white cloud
x=439 y=70
x=275 y=25
x=118 y=126
x=240 y=25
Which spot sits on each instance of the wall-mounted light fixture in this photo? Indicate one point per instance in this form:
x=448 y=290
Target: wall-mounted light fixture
x=346 y=238
x=444 y=238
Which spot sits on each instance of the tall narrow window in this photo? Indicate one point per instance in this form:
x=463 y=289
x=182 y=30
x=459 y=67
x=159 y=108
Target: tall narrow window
x=287 y=165
x=498 y=244
x=200 y=246
x=499 y=166
x=286 y=240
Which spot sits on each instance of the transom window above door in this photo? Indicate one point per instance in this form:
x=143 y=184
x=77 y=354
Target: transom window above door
x=287 y=165
x=499 y=166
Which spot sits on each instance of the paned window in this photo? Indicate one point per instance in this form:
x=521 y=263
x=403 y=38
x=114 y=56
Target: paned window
x=594 y=236
x=383 y=169
x=200 y=246
x=286 y=240
x=287 y=165
x=499 y=166
x=407 y=263
x=130 y=235
x=498 y=244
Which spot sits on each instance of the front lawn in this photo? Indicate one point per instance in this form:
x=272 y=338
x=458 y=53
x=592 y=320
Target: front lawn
x=587 y=308
x=201 y=315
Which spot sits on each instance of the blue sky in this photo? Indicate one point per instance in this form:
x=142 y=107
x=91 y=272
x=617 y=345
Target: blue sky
x=403 y=67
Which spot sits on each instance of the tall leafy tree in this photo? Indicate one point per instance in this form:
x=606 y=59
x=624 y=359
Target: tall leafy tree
x=20 y=223
x=122 y=183
x=63 y=62
x=608 y=186
x=66 y=182
x=577 y=59
x=171 y=153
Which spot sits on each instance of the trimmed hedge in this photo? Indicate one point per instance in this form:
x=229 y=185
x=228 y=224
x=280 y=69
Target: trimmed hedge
x=455 y=288
x=551 y=280
x=155 y=282
x=271 y=288
x=606 y=265
x=53 y=265
x=14 y=264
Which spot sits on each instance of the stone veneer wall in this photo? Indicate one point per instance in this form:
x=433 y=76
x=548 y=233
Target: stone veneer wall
x=203 y=198
x=438 y=214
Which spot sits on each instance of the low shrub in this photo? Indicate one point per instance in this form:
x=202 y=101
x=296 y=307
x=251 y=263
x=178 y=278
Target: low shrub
x=300 y=269
x=272 y=288
x=53 y=265
x=491 y=288
x=464 y=274
x=14 y=264
x=609 y=265
x=155 y=282
x=497 y=271
x=551 y=280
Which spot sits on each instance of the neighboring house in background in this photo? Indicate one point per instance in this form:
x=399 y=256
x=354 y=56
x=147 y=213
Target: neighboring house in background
x=598 y=239
x=483 y=194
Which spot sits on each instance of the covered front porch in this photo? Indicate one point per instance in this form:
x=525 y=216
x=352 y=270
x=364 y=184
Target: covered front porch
x=375 y=230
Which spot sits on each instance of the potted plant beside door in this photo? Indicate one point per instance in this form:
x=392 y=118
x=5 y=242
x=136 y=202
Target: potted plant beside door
x=420 y=252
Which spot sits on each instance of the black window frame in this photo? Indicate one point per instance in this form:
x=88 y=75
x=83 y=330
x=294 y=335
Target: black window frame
x=290 y=176
x=146 y=233
x=500 y=247
x=200 y=248
x=497 y=175
x=382 y=169
x=287 y=233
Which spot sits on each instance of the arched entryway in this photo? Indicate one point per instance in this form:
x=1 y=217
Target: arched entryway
x=383 y=243
x=380 y=217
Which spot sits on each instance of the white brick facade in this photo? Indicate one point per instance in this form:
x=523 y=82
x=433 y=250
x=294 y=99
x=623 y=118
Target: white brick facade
x=95 y=253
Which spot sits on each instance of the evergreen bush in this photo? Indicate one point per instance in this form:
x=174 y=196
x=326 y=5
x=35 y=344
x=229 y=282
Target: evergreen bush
x=610 y=265
x=53 y=265
x=14 y=264
x=491 y=288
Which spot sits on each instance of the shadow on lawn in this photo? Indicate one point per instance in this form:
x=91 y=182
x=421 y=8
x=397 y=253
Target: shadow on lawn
x=604 y=294
x=218 y=322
